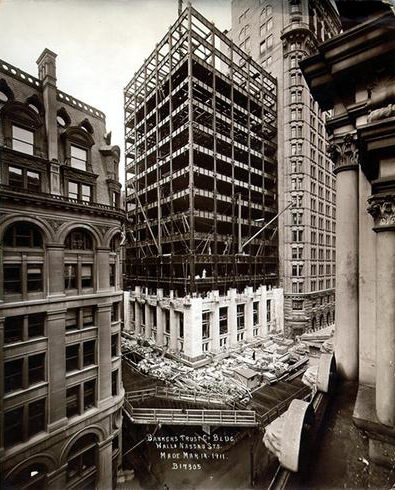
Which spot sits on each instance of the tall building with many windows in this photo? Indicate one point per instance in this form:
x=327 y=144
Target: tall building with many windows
x=277 y=35
x=201 y=175
x=61 y=391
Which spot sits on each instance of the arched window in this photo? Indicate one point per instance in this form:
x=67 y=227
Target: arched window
x=86 y=126
x=63 y=118
x=78 y=265
x=79 y=239
x=328 y=318
x=20 y=274
x=313 y=323
x=6 y=93
x=32 y=477
x=321 y=320
x=82 y=461
x=23 y=235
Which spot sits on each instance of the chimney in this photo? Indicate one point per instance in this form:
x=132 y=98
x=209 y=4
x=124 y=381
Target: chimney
x=47 y=75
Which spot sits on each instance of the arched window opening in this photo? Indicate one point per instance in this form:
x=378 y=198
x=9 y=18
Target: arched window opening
x=5 y=91
x=35 y=104
x=313 y=323
x=328 y=318
x=82 y=461
x=79 y=239
x=321 y=320
x=86 y=126
x=63 y=118
x=33 y=477
x=23 y=235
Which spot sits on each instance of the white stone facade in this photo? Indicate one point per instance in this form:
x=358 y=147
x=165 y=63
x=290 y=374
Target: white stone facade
x=196 y=326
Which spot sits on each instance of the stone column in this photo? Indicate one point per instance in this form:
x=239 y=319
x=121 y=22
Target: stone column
x=160 y=320
x=215 y=322
x=382 y=208
x=55 y=268
x=193 y=327
x=249 y=320
x=105 y=465
x=137 y=314
x=56 y=327
x=173 y=328
x=232 y=318
x=104 y=350
x=148 y=320
x=345 y=157
x=103 y=268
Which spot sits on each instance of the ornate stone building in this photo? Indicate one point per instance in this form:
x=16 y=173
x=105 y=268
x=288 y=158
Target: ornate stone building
x=354 y=74
x=61 y=391
x=277 y=35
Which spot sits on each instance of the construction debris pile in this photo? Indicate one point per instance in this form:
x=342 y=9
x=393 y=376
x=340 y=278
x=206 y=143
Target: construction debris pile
x=320 y=339
x=230 y=377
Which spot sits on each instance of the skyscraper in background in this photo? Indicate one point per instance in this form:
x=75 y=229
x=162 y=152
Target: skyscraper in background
x=277 y=35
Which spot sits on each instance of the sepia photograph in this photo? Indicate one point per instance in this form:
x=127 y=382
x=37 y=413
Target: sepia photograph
x=197 y=228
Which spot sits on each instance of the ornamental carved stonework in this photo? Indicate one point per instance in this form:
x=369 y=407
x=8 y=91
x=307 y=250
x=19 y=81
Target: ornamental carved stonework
x=382 y=208
x=344 y=153
x=55 y=224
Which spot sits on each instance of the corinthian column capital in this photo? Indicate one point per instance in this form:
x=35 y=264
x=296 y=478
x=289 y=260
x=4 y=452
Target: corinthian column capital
x=344 y=153
x=382 y=208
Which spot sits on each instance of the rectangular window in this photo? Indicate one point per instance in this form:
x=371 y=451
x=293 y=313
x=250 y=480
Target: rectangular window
x=223 y=320
x=255 y=312
x=13 y=329
x=15 y=177
x=79 y=157
x=167 y=321
x=181 y=325
x=297 y=304
x=114 y=383
x=240 y=317
x=34 y=277
x=72 y=319
x=36 y=368
x=112 y=275
x=22 y=140
x=268 y=310
x=89 y=394
x=12 y=278
x=72 y=357
x=73 y=190
x=86 y=193
x=88 y=316
x=33 y=181
x=72 y=401
x=13 y=375
x=36 y=417
x=13 y=427
x=36 y=323
x=86 y=276
x=114 y=345
x=70 y=276
x=115 y=312
x=206 y=325
x=89 y=353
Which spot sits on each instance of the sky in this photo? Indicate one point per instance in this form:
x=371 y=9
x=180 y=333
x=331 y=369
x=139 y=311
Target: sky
x=100 y=43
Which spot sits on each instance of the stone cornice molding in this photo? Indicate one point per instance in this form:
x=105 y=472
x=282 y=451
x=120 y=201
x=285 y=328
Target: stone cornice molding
x=344 y=153
x=382 y=209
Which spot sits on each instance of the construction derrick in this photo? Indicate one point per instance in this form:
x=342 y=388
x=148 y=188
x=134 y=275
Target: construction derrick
x=200 y=164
